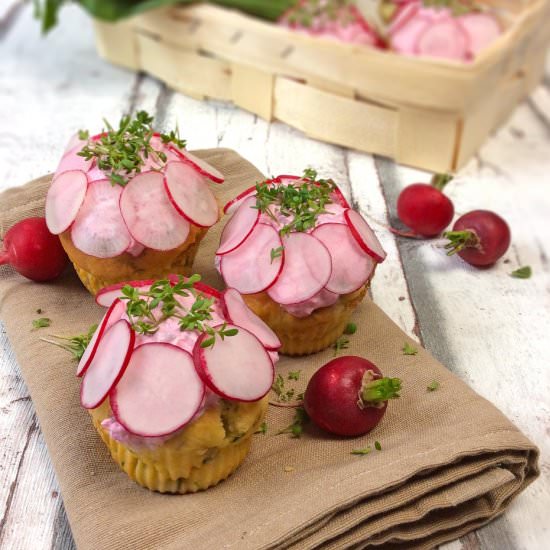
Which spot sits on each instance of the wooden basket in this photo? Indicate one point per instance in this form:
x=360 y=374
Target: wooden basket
x=425 y=113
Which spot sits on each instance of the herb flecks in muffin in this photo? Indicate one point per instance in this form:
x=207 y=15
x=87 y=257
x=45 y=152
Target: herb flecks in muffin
x=76 y=345
x=122 y=152
x=300 y=202
x=148 y=309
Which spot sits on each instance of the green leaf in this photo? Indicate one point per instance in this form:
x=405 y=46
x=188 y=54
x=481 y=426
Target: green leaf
x=42 y=322
x=377 y=446
x=294 y=375
x=433 y=386
x=351 y=328
x=364 y=451
x=409 y=349
x=524 y=272
x=296 y=428
x=262 y=429
x=340 y=344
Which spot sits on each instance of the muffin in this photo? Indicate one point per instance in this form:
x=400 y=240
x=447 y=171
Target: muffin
x=130 y=203
x=301 y=258
x=175 y=378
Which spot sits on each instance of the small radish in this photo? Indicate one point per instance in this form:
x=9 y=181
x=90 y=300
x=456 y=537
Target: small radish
x=349 y=396
x=424 y=208
x=479 y=237
x=33 y=251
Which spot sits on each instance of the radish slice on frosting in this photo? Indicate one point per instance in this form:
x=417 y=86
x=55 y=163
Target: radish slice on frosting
x=481 y=28
x=150 y=216
x=106 y=296
x=99 y=229
x=239 y=226
x=64 y=199
x=405 y=38
x=351 y=265
x=238 y=313
x=160 y=391
x=306 y=270
x=233 y=204
x=71 y=160
x=445 y=39
x=237 y=367
x=252 y=267
x=107 y=366
x=364 y=235
x=201 y=166
x=190 y=195
x=113 y=314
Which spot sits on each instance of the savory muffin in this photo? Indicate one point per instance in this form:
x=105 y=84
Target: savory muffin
x=301 y=258
x=130 y=203
x=175 y=379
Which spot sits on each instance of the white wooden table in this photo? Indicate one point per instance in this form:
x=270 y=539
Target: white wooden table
x=490 y=329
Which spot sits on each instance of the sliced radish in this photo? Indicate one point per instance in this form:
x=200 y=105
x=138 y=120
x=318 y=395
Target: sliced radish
x=351 y=265
x=73 y=161
x=481 y=28
x=233 y=204
x=160 y=391
x=200 y=165
x=295 y=181
x=251 y=267
x=64 y=199
x=306 y=270
x=404 y=14
x=238 y=313
x=237 y=367
x=107 y=366
x=443 y=39
x=135 y=249
x=149 y=215
x=95 y=174
x=340 y=198
x=106 y=296
x=74 y=142
x=152 y=161
x=190 y=194
x=113 y=314
x=365 y=236
x=99 y=229
x=240 y=225
x=405 y=38
x=208 y=290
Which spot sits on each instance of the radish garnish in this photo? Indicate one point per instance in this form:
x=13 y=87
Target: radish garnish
x=106 y=296
x=238 y=313
x=481 y=28
x=405 y=38
x=237 y=368
x=201 y=166
x=233 y=204
x=445 y=39
x=64 y=199
x=306 y=270
x=190 y=195
x=149 y=215
x=99 y=229
x=73 y=161
x=239 y=227
x=256 y=264
x=113 y=314
x=160 y=391
x=364 y=235
x=340 y=198
x=344 y=252
x=107 y=366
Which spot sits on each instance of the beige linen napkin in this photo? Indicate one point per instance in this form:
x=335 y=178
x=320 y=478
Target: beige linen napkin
x=450 y=461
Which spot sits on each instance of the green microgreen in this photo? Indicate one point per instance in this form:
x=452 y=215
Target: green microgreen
x=297 y=427
x=276 y=252
x=351 y=328
x=377 y=446
x=365 y=451
x=409 y=349
x=524 y=272
x=42 y=322
x=283 y=394
x=300 y=204
x=262 y=429
x=294 y=375
x=121 y=152
x=433 y=386
x=76 y=345
x=340 y=344
x=147 y=309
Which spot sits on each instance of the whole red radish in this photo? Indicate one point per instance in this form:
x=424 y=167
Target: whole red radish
x=33 y=251
x=424 y=208
x=480 y=238
x=349 y=395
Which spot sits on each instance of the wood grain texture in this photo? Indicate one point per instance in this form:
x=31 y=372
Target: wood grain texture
x=490 y=329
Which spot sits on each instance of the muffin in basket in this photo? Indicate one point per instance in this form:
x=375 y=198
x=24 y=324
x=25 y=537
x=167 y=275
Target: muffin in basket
x=175 y=379
x=301 y=258
x=130 y=203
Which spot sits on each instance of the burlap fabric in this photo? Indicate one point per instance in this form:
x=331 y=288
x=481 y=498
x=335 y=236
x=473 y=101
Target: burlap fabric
x=450 y=461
